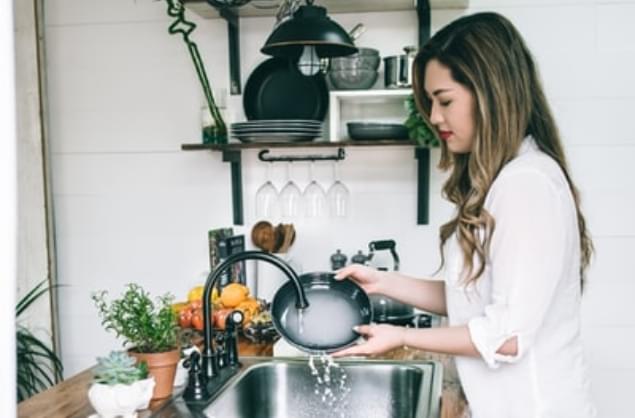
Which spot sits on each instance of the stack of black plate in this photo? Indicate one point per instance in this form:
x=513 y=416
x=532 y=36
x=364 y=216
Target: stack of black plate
x=276 y=130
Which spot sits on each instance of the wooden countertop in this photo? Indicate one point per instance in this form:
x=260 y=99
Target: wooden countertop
x=69 y=399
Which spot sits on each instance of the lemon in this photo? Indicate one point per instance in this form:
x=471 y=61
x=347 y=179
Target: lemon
x=195 y=293
x=177 y=307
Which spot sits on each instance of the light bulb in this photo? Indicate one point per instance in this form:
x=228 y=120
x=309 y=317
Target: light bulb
x=309 y=62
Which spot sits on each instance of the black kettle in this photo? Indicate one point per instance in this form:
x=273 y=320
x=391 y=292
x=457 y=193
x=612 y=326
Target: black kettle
x=385 y=309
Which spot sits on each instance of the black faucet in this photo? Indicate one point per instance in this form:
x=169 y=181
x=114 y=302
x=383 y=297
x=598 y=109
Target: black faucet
x=210 y=355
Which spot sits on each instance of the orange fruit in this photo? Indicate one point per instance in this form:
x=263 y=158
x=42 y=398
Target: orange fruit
x=233 y=294
x=197 y=319
x=220 y=317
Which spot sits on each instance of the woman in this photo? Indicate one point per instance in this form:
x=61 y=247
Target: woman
x=514 y=253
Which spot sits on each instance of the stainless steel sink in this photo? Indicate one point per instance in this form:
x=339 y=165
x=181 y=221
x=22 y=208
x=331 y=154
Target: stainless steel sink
x=288 y=389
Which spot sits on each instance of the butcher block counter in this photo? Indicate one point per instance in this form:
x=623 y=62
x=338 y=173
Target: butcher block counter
x=69 y=399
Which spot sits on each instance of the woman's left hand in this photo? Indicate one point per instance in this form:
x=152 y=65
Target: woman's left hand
x=379 y=339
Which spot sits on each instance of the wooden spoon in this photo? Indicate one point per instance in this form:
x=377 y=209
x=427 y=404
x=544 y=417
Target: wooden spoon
x=278 y=234
x=262 y=236
x=289 y=237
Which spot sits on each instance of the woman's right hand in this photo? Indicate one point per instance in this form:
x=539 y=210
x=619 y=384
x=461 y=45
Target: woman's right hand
x=366 y=277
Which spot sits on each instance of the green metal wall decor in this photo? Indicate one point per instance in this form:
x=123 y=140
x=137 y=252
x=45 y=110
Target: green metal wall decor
x=218 y=132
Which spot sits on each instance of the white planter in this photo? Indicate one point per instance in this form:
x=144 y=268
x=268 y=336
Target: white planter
x=120 y=400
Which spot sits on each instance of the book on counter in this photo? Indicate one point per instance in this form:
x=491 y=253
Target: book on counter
x=223 y=243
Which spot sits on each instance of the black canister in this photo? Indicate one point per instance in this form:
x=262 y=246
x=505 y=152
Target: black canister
x=359 y=258
x=338 y=260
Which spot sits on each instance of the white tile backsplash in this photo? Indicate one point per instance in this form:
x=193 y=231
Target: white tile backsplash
x=615 y=27
x=95 y=12
x=604 y=122
x=613 y=260
x=131 y=206
x=612 y=391
x=609 y=303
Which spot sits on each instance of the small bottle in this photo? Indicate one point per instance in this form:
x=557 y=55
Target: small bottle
x=338 y=260
x=214 y=130
x=359 y=258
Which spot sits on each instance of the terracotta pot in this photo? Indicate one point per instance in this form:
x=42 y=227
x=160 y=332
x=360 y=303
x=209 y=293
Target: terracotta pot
x=163 y=367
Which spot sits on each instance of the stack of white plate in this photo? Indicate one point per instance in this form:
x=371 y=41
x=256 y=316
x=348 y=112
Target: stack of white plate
x=278 y=130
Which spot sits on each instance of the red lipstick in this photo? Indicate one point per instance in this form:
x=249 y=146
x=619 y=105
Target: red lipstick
x=444 y=135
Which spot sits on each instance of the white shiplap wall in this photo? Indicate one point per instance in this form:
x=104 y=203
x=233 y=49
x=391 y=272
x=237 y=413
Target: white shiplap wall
x=130 y=206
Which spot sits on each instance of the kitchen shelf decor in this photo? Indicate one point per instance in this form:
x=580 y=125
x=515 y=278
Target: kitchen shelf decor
x=308 y=36
x=217 y=132
x=256 y=8
x=263 y=156
x=232 y=154
x=232 y=151
x=360 y=97
x=205 y=9
x=422 y=7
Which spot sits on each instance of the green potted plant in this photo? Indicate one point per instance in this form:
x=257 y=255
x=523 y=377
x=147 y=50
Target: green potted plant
x=38 y=367
x=149 y=330
x=120 y=386
x=418 y=128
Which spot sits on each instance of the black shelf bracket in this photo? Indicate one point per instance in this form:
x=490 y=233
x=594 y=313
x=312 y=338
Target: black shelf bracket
x=423 y=14
x=263 y=156
x=235 y=161
x=423 y=185
x=233 y=35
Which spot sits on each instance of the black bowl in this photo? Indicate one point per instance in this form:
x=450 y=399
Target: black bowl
x=326 y=325
x=376 y=130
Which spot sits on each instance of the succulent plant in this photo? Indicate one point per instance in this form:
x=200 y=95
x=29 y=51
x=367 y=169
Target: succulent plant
x=119 y=367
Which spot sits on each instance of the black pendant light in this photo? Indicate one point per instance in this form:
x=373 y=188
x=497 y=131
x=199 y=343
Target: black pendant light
x=308 y=36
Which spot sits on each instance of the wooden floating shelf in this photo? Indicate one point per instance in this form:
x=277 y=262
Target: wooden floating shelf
x=315 y=144
x=203 y=9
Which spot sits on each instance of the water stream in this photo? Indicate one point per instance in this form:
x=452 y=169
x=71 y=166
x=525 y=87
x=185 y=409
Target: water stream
x=331 y=383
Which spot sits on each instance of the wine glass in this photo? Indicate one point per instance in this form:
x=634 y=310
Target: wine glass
x=267 y=198
x=290 y=197
x=314 y=197
x=338 y=197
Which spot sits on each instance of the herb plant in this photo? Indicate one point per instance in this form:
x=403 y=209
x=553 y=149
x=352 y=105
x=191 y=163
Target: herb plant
x=119 y=367
x=147 y=326
x=418 y=128
x=38 y=367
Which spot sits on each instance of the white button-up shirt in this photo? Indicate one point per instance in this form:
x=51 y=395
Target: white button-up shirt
x=530 y=289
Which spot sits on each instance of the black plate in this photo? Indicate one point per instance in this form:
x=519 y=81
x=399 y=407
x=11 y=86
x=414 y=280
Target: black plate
x=327 y=325
x=277 y=90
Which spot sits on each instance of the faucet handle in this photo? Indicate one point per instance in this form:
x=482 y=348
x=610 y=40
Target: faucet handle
x=196 y=389
x=234 y=321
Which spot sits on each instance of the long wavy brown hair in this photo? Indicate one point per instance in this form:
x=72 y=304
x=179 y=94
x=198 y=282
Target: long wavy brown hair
x=486 y=54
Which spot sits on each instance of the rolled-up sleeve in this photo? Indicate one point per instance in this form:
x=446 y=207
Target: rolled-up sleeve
x=526 y=261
